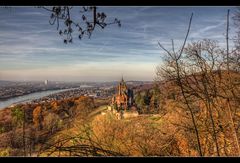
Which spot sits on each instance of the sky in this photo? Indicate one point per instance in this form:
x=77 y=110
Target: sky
x=32 y=49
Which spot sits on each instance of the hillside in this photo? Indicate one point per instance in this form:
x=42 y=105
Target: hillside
x=37 y=123
x=77 y=127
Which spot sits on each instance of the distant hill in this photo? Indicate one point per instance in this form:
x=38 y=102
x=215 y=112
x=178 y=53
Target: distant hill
x=5 y=82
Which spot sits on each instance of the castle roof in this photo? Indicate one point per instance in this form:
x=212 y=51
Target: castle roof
x=122 y=79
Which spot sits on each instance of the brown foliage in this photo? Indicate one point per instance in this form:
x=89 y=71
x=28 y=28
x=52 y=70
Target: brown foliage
x=38 y=117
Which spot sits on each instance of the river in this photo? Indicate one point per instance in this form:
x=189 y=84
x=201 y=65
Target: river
x=29 y=97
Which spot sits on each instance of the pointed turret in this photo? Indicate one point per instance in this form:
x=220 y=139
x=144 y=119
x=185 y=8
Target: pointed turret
x=122 y=79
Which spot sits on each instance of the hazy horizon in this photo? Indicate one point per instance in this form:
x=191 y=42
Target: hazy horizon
x=76 y=81
x=32 y=50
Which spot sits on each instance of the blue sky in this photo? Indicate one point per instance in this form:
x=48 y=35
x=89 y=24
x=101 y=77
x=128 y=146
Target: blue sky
x=31 y=49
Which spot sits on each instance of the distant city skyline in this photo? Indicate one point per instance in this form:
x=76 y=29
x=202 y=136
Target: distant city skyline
x=31 y=49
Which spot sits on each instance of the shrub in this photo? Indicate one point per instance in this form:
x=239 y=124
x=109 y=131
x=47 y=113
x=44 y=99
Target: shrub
x=5 y=152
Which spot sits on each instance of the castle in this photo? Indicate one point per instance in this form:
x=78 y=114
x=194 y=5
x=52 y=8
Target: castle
x=123 y=99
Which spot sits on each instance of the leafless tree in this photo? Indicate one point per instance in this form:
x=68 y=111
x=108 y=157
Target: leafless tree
x=199 y=70
x=173 y=71
x=62 y=18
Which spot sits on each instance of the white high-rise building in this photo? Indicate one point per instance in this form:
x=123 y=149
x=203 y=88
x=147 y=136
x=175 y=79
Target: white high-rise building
x=46 y=82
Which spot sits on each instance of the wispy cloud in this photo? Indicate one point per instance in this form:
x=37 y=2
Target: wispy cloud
x=207 y=30
x=31 y=48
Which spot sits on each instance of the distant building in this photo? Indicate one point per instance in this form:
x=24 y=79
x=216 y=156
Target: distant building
x=124 y=97
x=46 y=82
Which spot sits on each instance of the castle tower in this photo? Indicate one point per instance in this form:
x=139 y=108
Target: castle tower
x=123 y=97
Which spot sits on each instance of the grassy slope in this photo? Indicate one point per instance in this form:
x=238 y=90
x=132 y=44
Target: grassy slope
x=105 y=127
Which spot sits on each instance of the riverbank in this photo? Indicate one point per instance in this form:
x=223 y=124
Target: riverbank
x=30 y=97
x=36 y=91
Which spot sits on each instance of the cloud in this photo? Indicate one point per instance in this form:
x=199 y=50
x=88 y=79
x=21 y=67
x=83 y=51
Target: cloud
x=30 y=47
x=207 y=30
